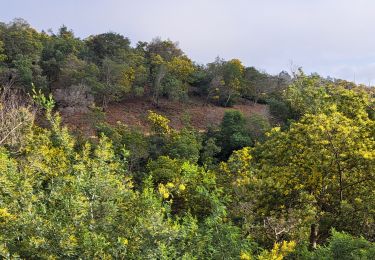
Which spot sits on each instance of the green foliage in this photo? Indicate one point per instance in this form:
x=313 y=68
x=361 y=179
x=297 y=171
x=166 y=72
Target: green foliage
x=184 y=145
x=75 y=71
x=159 y=123
x=186 y=187
x=107 y=45
x=134 y=141
x=258 y=126
x=77 y=203
x=226 y=81
x=170 y=70
x=307 y=94
x=279 y=109
x=215 y=239
x=41 y=100
x=20 y=39
x=313 y=94
x=279 y=251
x=174 y=89
x=116 y=81
x=322 y=156
x=209 y=152
x=2 y=55
x=233 y=134
x=58 y=49
x=16 y=119
x=241 y=190
x=343 y=246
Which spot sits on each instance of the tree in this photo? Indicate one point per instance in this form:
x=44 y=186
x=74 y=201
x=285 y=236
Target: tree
x=158 y=72
x=258 y=126
x=117 y=79
x=233 y=134
x=77 y=202
x=188 y=188
x=226 y=80
x=215 y=79
x=20 y=39
x=137 y=61
x=169 y=69
x=110 y=45
x=134 y=141
x=16 y=118
x=184 y=145
x=2 y=55
x=75 y=71
x=179 y=69
x=307 y=94
x=325 y=160
x=342 y=246
x=209 y=152
x=167 y=50
x=233 y=76
x=58 y=49
x=259 y=86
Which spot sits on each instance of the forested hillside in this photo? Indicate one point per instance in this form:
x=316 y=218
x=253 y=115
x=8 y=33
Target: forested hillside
x=118 y=150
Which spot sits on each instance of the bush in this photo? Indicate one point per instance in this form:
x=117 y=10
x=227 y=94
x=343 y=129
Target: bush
x=184 y=145
x=342 y=246
x=133 y=140
x=279 y=109
x=233 y=134
x=258 y=125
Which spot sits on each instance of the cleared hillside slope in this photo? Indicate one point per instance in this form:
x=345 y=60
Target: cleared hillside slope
x=133 y=112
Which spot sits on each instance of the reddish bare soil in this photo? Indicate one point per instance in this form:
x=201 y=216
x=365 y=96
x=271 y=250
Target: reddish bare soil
x=133 y=112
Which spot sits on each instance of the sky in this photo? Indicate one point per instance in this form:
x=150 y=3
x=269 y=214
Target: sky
x=331 y=37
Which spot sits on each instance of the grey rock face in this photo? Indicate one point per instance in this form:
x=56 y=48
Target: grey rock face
x=74 y=99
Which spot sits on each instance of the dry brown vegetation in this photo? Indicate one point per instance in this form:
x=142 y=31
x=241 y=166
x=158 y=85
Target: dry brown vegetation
x=133 y=112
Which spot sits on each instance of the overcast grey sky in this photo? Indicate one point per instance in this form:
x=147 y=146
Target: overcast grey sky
x=331 y=37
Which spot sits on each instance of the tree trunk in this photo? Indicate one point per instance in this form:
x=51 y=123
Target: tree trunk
x=157 y=84
x=313 y=236
x=105 y=103
x=226 y=103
